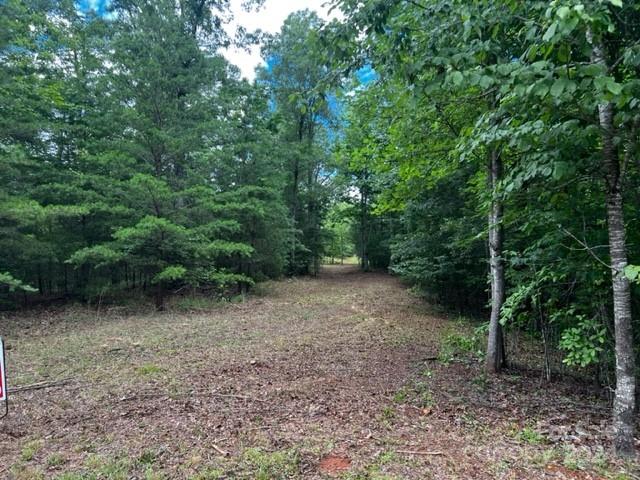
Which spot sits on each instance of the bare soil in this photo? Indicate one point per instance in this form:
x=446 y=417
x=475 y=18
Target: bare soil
x=342 y=376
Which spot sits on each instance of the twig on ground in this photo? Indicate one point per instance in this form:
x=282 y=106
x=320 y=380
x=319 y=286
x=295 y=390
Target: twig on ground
x=222 y=452
x=263 y=427
x=417 y=452
x=39 y=385
x=190 y=394
x=228 y=395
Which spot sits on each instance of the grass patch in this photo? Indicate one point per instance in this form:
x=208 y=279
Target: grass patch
x=30 y=449
x=147 y=458
x=270 y=465
x=149 y=370
x=417 y=393
x=530 y=436
x=400 y=396
x=375 y=471
x=388 y=414
x=197 y=303
x=457 y=344
x=24 y=472
x=210 y=474
x=110 y=468
x=55 y=460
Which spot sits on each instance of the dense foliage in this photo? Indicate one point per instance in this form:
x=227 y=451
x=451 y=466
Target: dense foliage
x=525 y=113
x=133 y=156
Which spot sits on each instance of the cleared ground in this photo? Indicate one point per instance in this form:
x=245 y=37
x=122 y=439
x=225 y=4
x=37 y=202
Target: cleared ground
x=346 y=375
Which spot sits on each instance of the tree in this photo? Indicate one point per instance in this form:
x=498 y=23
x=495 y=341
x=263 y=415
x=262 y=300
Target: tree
x=295 y=77
x=338 y=228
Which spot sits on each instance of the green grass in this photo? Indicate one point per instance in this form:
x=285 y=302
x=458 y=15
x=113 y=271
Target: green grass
x=265 y=465
x=455 y=344
x=388 y=414
x=55 y=460
x=109 y=468
x=530 y=436
x=149 y=369
x=210 y=473
x=400 y=396
x=30 y=449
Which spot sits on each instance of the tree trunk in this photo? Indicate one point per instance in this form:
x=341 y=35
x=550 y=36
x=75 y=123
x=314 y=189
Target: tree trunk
x=159 y=297
x=364 y=221
x=495 y=344
x=294 y=213
x=624 y=401
x=364 y=254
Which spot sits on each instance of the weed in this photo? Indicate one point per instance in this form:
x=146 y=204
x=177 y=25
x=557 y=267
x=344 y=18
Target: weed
x=55 y=460
x=268 y=465
x=210 y=474
x=530 y=436
x=400 y=396
x=387 y=457
x=150 y=474
x=374 y=470
x=76 y=476
x=573 y=461
x=23 y=472
x=368 y=475
x=455 y=344
x=30 y=449
x=481 y=381
x=237 y=299
x=427 y=373
x=423 y=394
x=147 y=458
x=149 y=370
x=388 y=413
x=109 y=468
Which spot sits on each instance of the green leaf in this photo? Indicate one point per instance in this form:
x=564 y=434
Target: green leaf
x=550 y=33
x=563 y=12
x=14 y=284
x=614 y=87
x=170 y=273
x=456 y=77
x=632 y=272
x=560 y=170
x=557 y=88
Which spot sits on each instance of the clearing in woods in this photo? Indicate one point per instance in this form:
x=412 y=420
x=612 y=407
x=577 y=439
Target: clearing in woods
x=346 y=375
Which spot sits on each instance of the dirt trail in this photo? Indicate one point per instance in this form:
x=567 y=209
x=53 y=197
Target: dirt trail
x=343 y=375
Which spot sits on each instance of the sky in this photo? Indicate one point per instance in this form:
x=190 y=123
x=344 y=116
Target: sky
x=268 y=19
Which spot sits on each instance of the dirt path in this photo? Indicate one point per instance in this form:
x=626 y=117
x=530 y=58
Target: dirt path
x=346 y=375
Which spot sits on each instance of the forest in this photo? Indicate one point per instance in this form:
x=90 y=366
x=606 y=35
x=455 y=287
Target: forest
x=484 y=153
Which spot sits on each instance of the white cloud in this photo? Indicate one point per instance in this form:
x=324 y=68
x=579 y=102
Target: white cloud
x=269 y=18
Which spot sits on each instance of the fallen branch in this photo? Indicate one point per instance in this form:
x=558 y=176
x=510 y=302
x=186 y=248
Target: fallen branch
x=241 y=397
x=417 y=452
x=222 y=452
x=39 y=386
x=189 y=394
